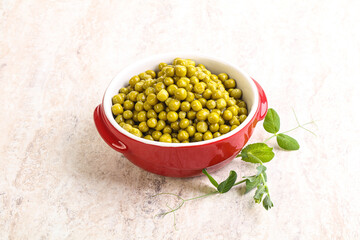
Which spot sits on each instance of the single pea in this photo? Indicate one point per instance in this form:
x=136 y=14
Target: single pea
x=194 y=80
x=175 y=126
x=159 y=107
x=180 y=71
x=162 y=95
x=135 y=116
x=144 y=76
x=174 y=105
x=141 y=97
x=167 y=129
x=180 y=93
x=243 y=111
x=236 y=93
x=156 y=135
x=189 y=87
x=142 y=116
x=184 y=123
x=214 y=77
x=233 y=110
x=231 y=102
x=172 y=116
x=190 y=71
x=230 y=83
x=190 y=97
x=220 y=103
x=151 y=114
x=242 y=118
x=151 y=122
x=216 y=134
x=168 y=81
x=223 y=76
x=213 y=117
x=119 y=119
x=136 y=132
x=143 y=127
x=130 y=121
x=214 y=127
x=174 y=135
x=233 y=127
x=159 y=86
x=139 y=87
x=134 y=80
x=147 y=106
x=179 y=61
x=149 y=137
x=224 y=129
x=151 y=73
x=128 y=105
x=227 y=115
x=191 y=115
x=217 y=95
x=191 y=130
x=202 y=114
x=201 y=126
x=202 y=101
x=183 y=135
x=242 y=104
x=207 y=94
x=181 y=83
x=118 y=98
x=182 y=115
x=199 y=88
x=198 y=137
x=160 y=125
x=174 y=140
x=207 y=72
x=234 y=121
x=152 y=99
x=162 y=65
x=196 y=105
x=207 y=136
x=124 y=90
x=117 y=109
x=211 y=104
x=127 y=127
x=128 y=114
x=162 y=115
x=169 y=71
x=185 y=106
x=171 y=89
x=200 y=75
x=165 y=138
x=139 y=106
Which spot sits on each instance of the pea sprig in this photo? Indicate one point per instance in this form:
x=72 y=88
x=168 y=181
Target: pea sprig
x=256 y=153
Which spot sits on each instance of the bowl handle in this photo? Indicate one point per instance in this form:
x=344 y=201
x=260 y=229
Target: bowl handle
x=104 y=132
x=263 y=102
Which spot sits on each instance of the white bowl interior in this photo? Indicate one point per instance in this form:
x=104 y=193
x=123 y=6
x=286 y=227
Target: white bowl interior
x=216 y=66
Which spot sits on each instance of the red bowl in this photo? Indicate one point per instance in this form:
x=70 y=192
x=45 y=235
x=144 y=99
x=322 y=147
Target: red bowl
x=181 y=159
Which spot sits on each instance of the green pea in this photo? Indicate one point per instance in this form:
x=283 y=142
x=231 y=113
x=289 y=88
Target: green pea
x=190 y=97
x=216 y=134
x=233 y=110
x=196 y=105
x=190 y=71
x=139 y=106
x=124 y=90
x=191 y=130
x=224 y=129
x=119 y=119
x=117 y=109
x=175 y=126
x=162 y=115
x=159 y=86
x=151 y=73
x=191 y=115
x=141 y=97
x=202 y=101
x=182 y=83
x=128 y=105
x=220 y=103
x=217 y=94
x=213 y=117
x=147 y=106
x=243 y=111
x=230 y=83
x=233 y=127
x=160 y=125
x=162 y=65
x=142 y=116
x=211 y=104
x=207 y=94
x=165 y=138
x=171 y=89
x=185 y=106
x=162 y=95
x=199 y=88
x=223 y=76
x=201 y=126
x=183 y=135
x=156 y=135
x=139 y=87
x=151 y=114
x=242 y=104
x=182 y=115
x=172 y=116
x=174 y=140
x=198 y=137
x=214 y=127
x=128 y=114
x=234 y=121
x=143 y=127
x=180 y=71
x=152 y=122
x=202 y=114
x=242 y=118
x=134 y=80
x=149 y=90
x=149 y=137
x=159 y=107
x=180 y=93
x=118 y=98
x=184 y=123
x=227 y=115
x=152 y=99
x=168 y=81
x=207 y=136
x=174 y=105
x=167 y=129
x=194 y=80
x=236 y=93
x=136 y=132
x=169 y=71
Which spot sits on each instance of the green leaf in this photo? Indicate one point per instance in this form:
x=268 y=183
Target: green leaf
x=286 y=142
x=226 y=185
x=267 y=203
x=259 y=193
x=272 y=121
x=257 y=150
x=250 y=185
x=261 y=169
x=212 y=180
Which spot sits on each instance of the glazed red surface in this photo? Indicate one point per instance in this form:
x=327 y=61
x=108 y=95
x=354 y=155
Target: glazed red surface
x=182 y=161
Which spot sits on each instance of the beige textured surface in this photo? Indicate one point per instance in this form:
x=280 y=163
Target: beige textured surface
x=59 y=180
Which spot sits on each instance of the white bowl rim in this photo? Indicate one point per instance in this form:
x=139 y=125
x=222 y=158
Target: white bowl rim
x=107 y=99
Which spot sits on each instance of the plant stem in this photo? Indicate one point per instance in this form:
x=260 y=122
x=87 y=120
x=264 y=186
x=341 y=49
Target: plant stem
x=239 y=182
x=269 y=138
x=202 y=196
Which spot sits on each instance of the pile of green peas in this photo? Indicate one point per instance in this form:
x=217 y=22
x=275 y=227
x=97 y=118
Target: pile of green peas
x=180 y=103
